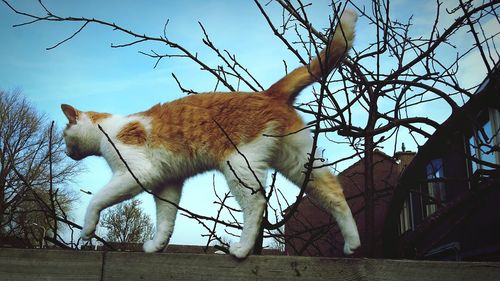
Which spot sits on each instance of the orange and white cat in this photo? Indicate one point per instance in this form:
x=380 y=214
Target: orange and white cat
x=240 y=134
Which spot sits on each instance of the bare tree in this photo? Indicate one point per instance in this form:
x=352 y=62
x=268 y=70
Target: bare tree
x=33 y=172
x=127 y=223
x=395 y=74
x=371 y=102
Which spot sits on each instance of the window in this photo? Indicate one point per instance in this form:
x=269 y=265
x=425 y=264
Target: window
x=406 y=216
x=483 y=144
x=436 y=190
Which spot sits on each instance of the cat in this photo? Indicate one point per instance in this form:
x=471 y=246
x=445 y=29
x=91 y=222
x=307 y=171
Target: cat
x=241 y=135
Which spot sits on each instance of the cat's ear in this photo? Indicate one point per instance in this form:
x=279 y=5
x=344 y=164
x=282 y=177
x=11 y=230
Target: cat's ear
x=70 y=112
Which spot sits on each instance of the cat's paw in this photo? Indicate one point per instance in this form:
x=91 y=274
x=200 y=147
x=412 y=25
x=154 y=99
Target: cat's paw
x=351 y=244
x=151 y=246
x=89 y=224
x=239 y=250
x=87 y=233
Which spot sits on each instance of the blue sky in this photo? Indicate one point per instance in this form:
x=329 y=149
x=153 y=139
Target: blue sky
x=88 y=74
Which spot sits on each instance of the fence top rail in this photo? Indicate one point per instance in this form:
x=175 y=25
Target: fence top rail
x=33 y=264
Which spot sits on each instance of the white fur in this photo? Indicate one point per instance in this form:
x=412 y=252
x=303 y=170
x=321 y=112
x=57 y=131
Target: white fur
x=86 y=139
x=245 y=172
x=291 y=161
x=165 y=216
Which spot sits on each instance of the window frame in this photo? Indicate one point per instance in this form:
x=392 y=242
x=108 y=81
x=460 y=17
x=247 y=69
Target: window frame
x=435 y=187
x=489 y=116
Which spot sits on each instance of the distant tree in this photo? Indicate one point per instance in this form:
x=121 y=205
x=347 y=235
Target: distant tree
x=32 y=172
x=127 y=222
x=277 y=243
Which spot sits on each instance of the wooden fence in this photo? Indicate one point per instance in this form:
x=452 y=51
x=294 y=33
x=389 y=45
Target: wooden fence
x=24 y=265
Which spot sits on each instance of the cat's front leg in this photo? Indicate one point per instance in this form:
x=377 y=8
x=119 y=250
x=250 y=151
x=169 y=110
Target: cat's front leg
x=166 y=200
x=121 y=187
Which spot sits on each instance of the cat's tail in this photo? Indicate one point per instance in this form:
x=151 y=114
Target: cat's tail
x=289 y=87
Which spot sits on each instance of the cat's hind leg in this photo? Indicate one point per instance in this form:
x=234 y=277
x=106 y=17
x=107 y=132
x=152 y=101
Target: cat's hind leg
x=167 y=199
x=327 y=191
x=322 y=187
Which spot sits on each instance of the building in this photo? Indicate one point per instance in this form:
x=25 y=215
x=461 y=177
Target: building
x=311 y=231
x=446 y=205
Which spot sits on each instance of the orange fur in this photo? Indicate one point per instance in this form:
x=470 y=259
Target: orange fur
x=326 y=185
x=133 y=133
x=95 y=117
x=289 y=87
x=242 y=116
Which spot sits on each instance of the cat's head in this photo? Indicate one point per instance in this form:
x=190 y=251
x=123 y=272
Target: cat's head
x=80 y=133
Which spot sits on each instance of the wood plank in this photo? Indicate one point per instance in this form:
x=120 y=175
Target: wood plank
x=431 y=270
x=139 y=266
x=33 y=264
x=24 y=265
